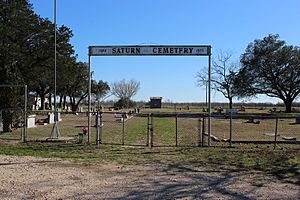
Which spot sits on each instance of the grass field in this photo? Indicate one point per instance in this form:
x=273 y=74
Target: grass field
x=134 y=130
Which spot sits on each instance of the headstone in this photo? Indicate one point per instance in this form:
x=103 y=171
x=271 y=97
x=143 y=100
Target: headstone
x=1 y=122
x=289 y=138
x=31 y=121
x=50 y=118
x=253 y=121
x=233 y=111
x=297 y=120
x=242 y=109
x=219 y=110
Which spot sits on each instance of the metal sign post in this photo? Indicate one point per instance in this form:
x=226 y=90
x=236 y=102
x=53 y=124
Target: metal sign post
x=152 y=50
x=209 y=99
x=89 y=100
x=55 y=133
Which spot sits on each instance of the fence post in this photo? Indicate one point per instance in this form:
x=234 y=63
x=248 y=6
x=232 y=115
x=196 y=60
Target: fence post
x=203 y=130
x=176 y=128
x=25 y=114
x=22 y=136
x=150 y=131
x=100 y=125
x=276 y=130
x=200 y=132
x=97 y=128
x=123 y=128
x=230 y=129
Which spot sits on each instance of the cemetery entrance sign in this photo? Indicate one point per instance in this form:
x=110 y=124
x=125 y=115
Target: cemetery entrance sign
x=152 y=50
x=149 y=50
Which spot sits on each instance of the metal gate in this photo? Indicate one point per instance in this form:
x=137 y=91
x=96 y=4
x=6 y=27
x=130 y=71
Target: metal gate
x=13 y=112
x=12 y=124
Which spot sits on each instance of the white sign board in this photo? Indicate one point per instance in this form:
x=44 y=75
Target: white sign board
x=149 y=50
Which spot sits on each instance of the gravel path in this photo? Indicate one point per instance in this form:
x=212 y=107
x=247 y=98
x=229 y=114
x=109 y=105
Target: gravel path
x=36 y=178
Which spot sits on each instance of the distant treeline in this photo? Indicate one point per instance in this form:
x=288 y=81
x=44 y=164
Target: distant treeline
x=203 y=104
x=225 y=105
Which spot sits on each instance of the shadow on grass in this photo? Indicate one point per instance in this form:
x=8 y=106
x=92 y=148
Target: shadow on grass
x=194 y=187
x=179 y=182
x=31 y=162
x=283 y=164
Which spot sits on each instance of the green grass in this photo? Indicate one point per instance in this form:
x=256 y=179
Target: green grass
x=164 y=131
x=284 y=162
x=135 y=130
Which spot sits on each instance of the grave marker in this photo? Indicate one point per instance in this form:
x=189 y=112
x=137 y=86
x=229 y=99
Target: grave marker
x=31 y=121
x=50 y=118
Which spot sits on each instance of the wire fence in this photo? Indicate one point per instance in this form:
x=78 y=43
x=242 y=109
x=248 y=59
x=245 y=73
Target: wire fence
x=13 y=104
x=151 y=130
x=229 y=130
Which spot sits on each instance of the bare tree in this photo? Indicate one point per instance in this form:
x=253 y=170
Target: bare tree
x=223 y=74
x=125 y=90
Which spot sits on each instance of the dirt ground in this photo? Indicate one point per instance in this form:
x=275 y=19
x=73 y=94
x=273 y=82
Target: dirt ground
x=37 y=178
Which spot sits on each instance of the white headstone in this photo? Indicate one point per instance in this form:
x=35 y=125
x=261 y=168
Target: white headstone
x=58 y=117
x=50 y=118
x=31 y=121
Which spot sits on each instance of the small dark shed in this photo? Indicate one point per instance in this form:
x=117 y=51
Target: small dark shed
x=155 y=102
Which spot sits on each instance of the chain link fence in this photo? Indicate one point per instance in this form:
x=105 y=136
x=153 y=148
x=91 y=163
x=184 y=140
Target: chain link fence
x=12 y=124
x=151 y=129
x=13 y=104
x=71 y=126
x=229 y=130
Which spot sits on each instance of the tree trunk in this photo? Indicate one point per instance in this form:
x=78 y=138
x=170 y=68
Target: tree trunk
x=42 y=102
x=76 y=106
x=60 y=102
x=35 y=101
x=65 y=101
x=288 y=106
x=72 y=102
x=7 y=121
x=50 y=101
x=230 y=102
